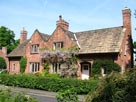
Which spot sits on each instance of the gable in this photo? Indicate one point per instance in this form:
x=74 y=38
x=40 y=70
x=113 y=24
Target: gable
x=100 y=41
x=36 y=37
x=61 y=35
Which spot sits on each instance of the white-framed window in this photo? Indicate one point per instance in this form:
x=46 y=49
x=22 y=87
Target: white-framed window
x=86 y=66
x=56 y=67
x=34 y=67
x=57 y=45
x=35 y=48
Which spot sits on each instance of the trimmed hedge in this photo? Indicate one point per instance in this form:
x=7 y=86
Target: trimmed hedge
x=48 y=84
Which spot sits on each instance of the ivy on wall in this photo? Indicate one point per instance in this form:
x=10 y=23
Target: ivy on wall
x=108 y=65
x=23 y=63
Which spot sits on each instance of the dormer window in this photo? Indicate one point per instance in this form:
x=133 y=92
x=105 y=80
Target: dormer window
x=35 y=48
x=57 y=45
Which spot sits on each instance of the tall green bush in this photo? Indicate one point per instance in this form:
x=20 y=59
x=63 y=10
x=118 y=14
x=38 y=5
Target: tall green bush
x=23 y=63
x=109 y=65
x=115 y=88
x=2 y=63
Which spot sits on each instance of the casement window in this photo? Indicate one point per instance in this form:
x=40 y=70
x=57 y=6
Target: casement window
x=34 y=67
x=56 y=67
x=35 y=48
x=57 y=45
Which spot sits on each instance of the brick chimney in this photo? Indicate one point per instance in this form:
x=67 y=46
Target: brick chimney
x=23 y=35
x=62 y=23
x=4 y=50
x=127 y=20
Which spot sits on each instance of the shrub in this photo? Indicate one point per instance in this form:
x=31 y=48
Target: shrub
x=7 y=96
x=109 y=65
x=23 y=63
x=68 y=95
x=115 y=88
x=2 y=63
x=48 y=84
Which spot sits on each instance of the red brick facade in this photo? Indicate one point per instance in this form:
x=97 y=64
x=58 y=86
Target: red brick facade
x=123 y=57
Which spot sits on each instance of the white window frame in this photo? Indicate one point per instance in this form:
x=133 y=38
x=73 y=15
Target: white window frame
x=85 y=65
x=57 y=45
x=56 y=67
x=35 y=48
x=34 y=67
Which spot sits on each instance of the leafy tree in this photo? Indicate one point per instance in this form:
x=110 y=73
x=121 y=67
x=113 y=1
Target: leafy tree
x=23 y=63
x=2 y=63
x=134 y=44
x=7 y=39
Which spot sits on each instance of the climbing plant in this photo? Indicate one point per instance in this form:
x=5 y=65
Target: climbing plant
x=108 y=65
x=23 y=63
x=66 y=57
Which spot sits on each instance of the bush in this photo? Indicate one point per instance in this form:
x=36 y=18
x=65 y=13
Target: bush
x=115 y=88
x=68 y=95
x=48 y=84
x=23 y=63
x=109 y=65
x=2 y=63
x=7 y=96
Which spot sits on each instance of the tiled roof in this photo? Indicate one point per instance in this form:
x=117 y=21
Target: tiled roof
x=106 y=40
x=19 y=51
x=45 y=37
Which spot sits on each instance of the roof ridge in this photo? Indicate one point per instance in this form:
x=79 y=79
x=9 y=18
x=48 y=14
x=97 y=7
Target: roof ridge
x=99 y=29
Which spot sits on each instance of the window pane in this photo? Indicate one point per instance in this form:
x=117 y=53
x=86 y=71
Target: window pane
x=35 y=48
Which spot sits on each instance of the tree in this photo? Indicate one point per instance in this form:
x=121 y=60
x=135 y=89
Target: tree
x=115 y=88
x=2 y=63
x=7 y=39
x=134 y=45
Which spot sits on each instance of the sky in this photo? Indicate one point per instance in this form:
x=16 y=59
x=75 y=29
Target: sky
x=82 y=15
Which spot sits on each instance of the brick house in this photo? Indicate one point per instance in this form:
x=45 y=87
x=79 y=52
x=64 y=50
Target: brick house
x=109 y=43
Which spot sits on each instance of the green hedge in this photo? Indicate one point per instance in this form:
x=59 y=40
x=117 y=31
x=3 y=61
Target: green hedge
x=48 y=84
